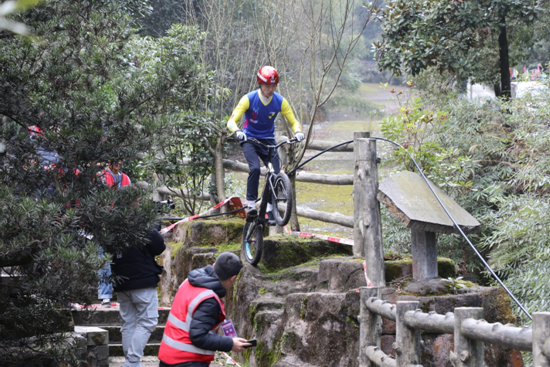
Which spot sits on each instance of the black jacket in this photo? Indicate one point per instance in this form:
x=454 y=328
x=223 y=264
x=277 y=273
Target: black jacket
x=136 y=268
x=207 y=313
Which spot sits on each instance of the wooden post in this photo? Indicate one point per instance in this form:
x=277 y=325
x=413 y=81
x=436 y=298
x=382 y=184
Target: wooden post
x=370 y=325
x=467 y=353
x=541 y=339
x=360 y=153
x=407 y=340
x=275 y=230
x=374 y=252
x=424 y=254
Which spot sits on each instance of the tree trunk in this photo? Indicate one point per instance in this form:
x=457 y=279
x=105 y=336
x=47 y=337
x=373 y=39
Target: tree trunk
x=294 y=223
x=220 y=172
x=498 y=91
x=505 y=81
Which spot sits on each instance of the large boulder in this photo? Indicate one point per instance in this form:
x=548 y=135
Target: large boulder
x=302 y=301
x=308 y=315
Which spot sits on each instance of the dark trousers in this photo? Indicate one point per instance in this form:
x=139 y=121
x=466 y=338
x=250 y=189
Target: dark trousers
x=184 y=364
x=253 y=153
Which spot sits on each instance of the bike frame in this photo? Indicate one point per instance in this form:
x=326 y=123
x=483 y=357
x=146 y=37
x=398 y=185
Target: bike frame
x=269 y=176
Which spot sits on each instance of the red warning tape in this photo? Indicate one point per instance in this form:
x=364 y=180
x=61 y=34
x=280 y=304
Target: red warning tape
x=344 y=241
x=234 y=203
x=230 y=359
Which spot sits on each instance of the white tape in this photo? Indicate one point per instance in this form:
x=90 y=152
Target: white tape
x=188 y=219
x=344 y=241
x=231 y=360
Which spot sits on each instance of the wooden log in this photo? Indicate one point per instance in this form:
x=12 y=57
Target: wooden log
x=506 y=335
x=468 y=352
x=382 y=308
x=424 y=254
x=380 y=358
x=407 y=340
x=541 y=339
x=300 y=176
x=323 y=144
x=163 y=190
x=370 y=325
x=431 y=321
x=336 y=218
x=324 y=179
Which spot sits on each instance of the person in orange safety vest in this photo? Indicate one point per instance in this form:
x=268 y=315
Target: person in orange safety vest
x=197 y=311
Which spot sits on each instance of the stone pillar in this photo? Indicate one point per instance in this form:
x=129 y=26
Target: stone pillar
x=424 y=254
x=98 y=345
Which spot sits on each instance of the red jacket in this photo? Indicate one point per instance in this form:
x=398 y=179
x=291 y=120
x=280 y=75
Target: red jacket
x=112 y=180
x=176 y=346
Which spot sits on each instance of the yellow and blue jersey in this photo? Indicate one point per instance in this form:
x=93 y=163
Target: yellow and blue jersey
x=259 y=118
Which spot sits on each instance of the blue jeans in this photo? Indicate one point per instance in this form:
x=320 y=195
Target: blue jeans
x=105 y=287
x=253 y=153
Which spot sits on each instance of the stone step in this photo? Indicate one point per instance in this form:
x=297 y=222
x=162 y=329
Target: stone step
x=151 y=349
x=115 y=336
x=147 y=361
x=108 y=316
x=268 y=303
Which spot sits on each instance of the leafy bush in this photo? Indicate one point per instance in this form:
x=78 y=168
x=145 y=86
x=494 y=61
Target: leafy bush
x=491 y=157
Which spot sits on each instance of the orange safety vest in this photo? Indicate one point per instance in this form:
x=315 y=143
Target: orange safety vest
x=176 y=346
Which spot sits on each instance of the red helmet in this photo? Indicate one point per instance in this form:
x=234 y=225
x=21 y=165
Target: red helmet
x=267 y=75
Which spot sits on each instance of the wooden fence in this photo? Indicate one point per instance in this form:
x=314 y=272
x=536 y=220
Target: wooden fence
x=323 y=179
x=466 y=323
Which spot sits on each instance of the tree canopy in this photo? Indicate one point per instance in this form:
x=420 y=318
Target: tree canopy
x=77 y=93
x=467 y=38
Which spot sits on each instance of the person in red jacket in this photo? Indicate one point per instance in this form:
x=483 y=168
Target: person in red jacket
x=114 y=178
x=197 y=310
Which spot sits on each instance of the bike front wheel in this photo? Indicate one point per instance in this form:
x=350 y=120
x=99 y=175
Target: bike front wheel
x=281 y=199
x=253 y=242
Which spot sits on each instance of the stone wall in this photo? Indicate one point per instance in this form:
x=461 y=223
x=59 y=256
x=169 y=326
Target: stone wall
x=302 y=301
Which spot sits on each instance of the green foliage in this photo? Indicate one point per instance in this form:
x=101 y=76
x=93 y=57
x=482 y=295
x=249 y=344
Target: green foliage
x=411 y=128
x=96 y=92
x=492 y=159
x=456 y=36
x=454 y=284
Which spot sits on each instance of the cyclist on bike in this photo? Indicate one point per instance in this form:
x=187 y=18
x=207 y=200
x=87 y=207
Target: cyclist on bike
x=260 y=108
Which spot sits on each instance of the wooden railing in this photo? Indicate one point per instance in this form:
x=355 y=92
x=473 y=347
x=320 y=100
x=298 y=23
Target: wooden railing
x=323 y=179
x=466 y=323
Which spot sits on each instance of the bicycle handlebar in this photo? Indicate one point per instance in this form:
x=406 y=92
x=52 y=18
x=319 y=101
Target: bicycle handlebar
x=289 y=141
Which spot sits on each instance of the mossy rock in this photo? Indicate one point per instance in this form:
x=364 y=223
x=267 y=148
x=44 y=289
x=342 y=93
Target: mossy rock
x=396 y=269
x=283 y=251
x=446 y=267
x=209 y=233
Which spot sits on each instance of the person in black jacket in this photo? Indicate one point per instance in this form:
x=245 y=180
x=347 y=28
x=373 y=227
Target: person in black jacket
x=197 y=311
x=136 y=276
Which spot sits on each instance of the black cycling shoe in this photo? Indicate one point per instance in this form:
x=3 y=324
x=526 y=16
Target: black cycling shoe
x=251 y=214
x=270 y=218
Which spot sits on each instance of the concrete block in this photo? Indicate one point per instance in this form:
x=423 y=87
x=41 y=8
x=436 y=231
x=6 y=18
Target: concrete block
x=94 y=335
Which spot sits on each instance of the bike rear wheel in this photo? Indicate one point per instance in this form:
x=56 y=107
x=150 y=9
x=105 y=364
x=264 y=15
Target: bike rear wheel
x=281 y=199
x=253 y=242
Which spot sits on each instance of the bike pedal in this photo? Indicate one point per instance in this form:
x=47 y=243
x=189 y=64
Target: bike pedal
x=270 y=220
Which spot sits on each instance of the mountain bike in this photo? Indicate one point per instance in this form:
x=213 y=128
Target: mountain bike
x=278 y=191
